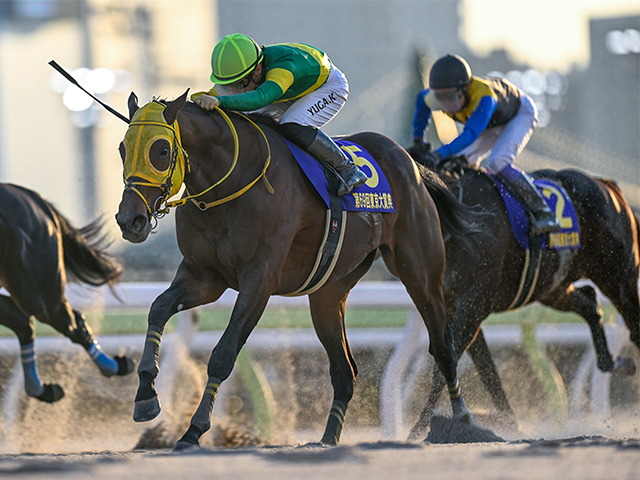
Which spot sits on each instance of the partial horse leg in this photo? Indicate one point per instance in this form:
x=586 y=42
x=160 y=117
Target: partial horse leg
x=245 y=315
x=465 y=326
x=420 y=268
x=72 y=325
x=624 y=296
x=481 y=356
x=40 y=293
x=583 y=301
x=327 y=312
x=24 y=327
x=187 y=290
x=108 y=365
x=419 y=430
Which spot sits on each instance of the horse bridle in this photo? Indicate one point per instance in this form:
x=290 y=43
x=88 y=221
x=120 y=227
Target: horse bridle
x=158 y=210
x=161 y=206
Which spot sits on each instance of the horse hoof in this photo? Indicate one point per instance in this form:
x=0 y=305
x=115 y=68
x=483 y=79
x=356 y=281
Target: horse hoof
x=181 y=446
x=315 y=445
x=327 y=442
x=624 y=366
x=52 y=393
x=465 y=418
x=126 y=365
x=189 y=439
x=146 y=410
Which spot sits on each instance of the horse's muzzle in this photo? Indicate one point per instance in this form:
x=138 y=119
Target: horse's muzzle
x=133 y=218
x=135 y=229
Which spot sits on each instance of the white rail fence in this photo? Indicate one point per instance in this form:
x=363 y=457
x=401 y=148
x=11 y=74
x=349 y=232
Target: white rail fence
x=406 y=343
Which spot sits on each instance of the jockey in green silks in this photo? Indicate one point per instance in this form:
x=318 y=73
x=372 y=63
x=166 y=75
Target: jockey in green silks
x=293 y=83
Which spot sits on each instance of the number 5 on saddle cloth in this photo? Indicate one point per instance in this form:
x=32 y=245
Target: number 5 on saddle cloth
x=373 y=196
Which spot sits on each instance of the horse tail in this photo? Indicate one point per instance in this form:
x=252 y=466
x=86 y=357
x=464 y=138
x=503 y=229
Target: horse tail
x=85 y=256
x=457 y=219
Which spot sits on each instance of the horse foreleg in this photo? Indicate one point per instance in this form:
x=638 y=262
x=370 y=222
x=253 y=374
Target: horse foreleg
x=246 y=313
x=147 y=404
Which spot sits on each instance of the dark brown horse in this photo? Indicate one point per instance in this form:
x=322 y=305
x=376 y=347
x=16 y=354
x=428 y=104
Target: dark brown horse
x=476 y=286
x=38 y=248
x=261 y=237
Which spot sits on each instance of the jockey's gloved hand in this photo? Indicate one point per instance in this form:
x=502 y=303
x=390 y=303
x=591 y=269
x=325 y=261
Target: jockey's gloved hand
x=207 y=102
x=453 y=164
x=431 y=159
x=418 y=149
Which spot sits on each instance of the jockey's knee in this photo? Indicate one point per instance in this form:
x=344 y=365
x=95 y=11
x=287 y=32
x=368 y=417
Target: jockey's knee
x=495 y=164
x=301 y=135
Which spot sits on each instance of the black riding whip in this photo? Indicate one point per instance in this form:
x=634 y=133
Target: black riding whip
x=66 y=75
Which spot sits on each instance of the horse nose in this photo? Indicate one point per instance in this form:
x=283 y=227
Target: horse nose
x=131 y=227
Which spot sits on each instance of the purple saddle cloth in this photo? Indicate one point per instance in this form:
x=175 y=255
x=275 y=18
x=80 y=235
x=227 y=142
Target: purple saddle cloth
x=372 y=196
x=559 y=202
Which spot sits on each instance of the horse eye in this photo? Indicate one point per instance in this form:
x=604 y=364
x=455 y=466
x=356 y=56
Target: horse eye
x=159 y=154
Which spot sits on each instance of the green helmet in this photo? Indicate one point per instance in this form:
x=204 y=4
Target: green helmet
x=233 y=58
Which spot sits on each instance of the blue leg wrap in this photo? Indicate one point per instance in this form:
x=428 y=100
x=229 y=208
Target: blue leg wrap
x=32 y=384
x=107 y=365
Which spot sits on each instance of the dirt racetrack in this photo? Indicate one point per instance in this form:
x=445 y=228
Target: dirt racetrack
x=580 y=458
x=89 y=434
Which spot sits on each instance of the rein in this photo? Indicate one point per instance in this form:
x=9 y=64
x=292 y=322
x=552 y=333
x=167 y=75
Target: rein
x=204 y=206
x=161 y=209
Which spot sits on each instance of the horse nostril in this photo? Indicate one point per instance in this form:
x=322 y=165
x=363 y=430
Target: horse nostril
x=134 y=225
x=138 y=223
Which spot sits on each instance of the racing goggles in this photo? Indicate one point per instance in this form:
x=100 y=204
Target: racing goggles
x=450 y=100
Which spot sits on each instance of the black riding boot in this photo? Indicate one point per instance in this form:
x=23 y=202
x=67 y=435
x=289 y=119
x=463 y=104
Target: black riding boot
x=325 y=148
x=520 y=186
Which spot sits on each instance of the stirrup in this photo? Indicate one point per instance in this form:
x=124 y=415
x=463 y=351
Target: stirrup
x=543 y=226
x=357 y=178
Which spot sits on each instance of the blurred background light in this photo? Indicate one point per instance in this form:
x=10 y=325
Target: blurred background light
x=623 y=42
x=546 y=89
x=101 y=80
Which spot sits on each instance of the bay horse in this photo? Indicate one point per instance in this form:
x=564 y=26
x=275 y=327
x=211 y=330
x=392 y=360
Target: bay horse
x=252 y=222
x=39 y=247
x=477 y=285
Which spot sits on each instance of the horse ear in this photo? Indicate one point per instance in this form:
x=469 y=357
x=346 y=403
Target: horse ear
x=133 y=105
x=171 y=112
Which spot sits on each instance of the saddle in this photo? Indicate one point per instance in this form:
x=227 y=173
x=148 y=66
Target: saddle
x=373 y=196
x=559 y=202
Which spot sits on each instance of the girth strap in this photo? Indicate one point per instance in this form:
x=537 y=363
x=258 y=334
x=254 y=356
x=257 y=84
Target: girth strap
x=331 y=243
x=530 y=271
